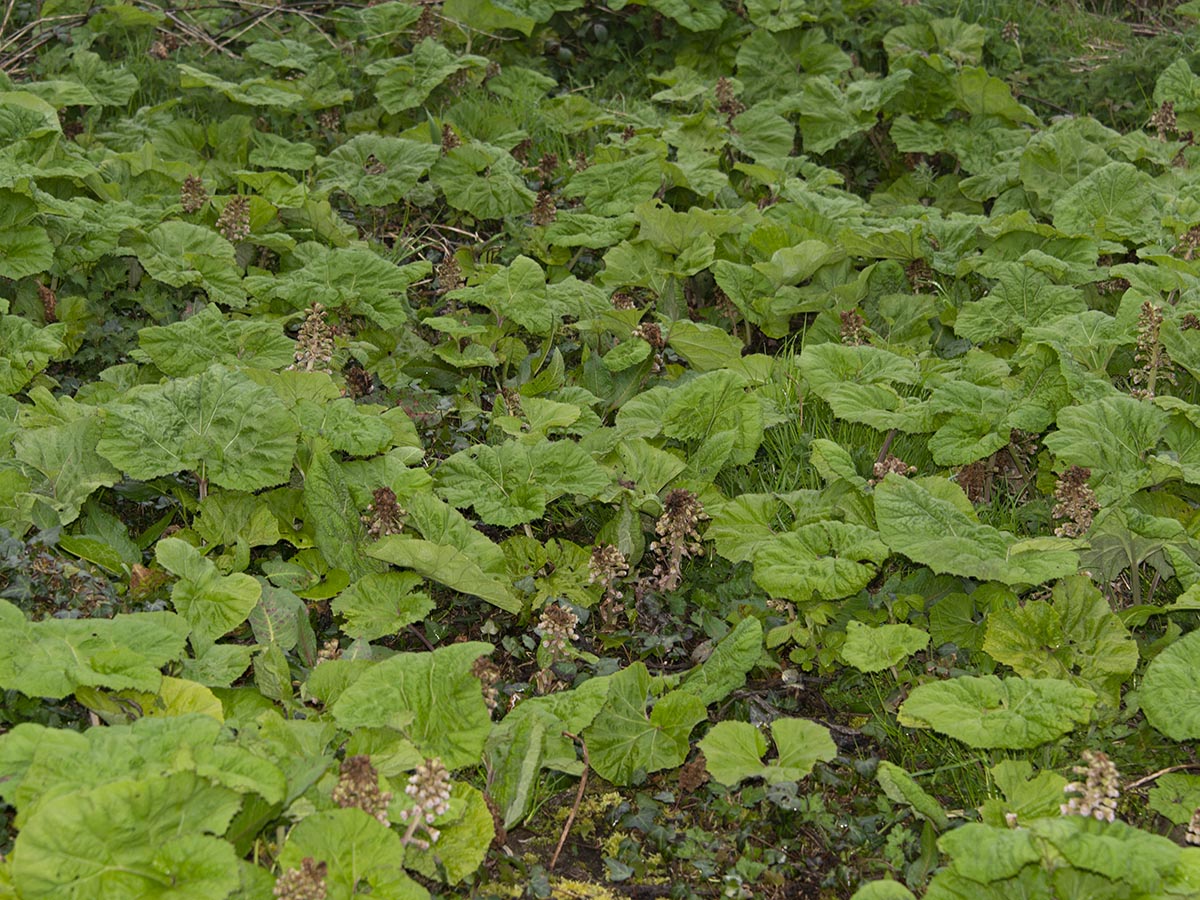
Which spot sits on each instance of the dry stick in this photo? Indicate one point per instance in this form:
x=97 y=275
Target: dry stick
x=196 y=33
x=887 y=445
x=33 y=26
x=1154 y=776
x=8 y=8
x=578 y=799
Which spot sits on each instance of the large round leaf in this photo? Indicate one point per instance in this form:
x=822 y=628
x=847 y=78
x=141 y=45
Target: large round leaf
x=987 y=711
x=829 y=559
x=1170 y=693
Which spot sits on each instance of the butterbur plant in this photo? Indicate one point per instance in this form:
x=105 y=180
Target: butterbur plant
x=429 y=788
x=358 y=786
x=605 y=566
x=304 y=883
x=1151 y=356
x=314 y=343
x=192 y=196
x=678 y=538
x=234 y=221
x=1077 y=502
x=1097 y=794
x=384 y=514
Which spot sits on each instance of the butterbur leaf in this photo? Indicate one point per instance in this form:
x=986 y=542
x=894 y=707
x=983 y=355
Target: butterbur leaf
x=1117 y=202
x=713 y=403
x=360 y=854
x=826 y=560
x=335 y=518
x=25 y=350
x=1022 y=298
x=725 y=669
x=883 y=890
x=464 y=839
x=218 y=424
x=381 y=604
x=191 y=346
x=733 y=751
x=873 y=649
x=990 y=712
x=431 y=698
x=484 y=181
x=1170 y=692
x=53 y=657
x=376 y=170
x=184 y=255
x=66 y=456
x=412 y=78
x=213 y=604
x=935 y=530
x=623 y=740
x=133 y=838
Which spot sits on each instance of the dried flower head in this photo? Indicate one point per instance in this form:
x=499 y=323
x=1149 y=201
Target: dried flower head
x=384 y=514
x=1163 y=121
x=1077 y=502
x=359 y=381
x=891 y=465
x=488 y=674
x=557 y=628
x=358 y=786
x=547 y=167
x=581 y=161
x=651 y=333
x=678 y=537
x=331 y=649
x=1112 y=286
x=330 y=119
x=449 y=274
x=1193 y=829
x=628 y=133
x=1097 y=795
x=429 y=787
x=314 y=343
x=304 y=883
x=450 y=140
x=623 y=300
x=854 y=328
x=545 y=210
x=521 y=152
x=727 y=102
x=49 y=302
x=234 y=220
x=920 y=275
x=192 y=195
x=1153 y=361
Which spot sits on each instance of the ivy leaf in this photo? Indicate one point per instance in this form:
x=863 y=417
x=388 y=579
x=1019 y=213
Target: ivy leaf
x=191 y=346
x=148 y=838
x=184 y=255
x=622 y=740
x=935 y=529
x=218 y=423
x=873 y=649
x=53 y=657
x=213 y=604
x=430 y=698
x=830 y=560
x=375 y=170
x=990 y=712
x=360 y=854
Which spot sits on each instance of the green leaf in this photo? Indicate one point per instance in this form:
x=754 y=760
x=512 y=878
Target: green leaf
x=213 y=604
x=412 y=78
x=345 y=426
x=1117 y=202
x=883 y=890
x=336 y=521
x=822 y=560
x=1008 y=851
x=1171 y=689
x=463 y=843
x=733 y=751
x=1113 y=437
x=623 y=740
x=512 y=483
x=1022 y=298
x=138 y=838
x=713 y=403
x=218 y=424
x=381 y=604
x=900 y=787
x=375 y=170
x=184 y=255
x=873 y=649
x=430 y=698
x=484 y=181
x=53 y=657
x=25 y=350
x=1076 y=637
x=934 y=529
x=361 y=855
x=191 y=346
x=989 y=712
x=517 y=292
x=24 y=250
x=725 y=669
x=614 y=188
x=66 y=457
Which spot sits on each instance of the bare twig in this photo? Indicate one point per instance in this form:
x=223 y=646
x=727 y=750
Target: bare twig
x=887 y=445
x=578 y=799
x=1154 y=776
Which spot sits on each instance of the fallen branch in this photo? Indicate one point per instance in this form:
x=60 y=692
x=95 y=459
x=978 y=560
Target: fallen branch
x=578 y=799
